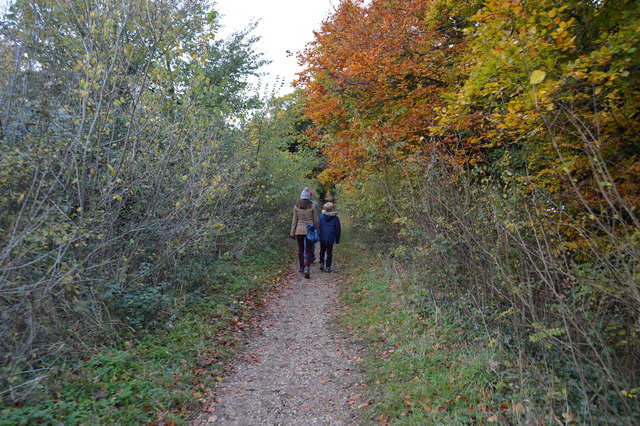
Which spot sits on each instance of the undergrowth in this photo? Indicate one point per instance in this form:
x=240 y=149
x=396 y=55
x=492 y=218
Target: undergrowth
x=426 y=364
x=164 y=375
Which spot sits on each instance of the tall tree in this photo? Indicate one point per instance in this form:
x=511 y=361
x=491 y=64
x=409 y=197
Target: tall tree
x=374 y=77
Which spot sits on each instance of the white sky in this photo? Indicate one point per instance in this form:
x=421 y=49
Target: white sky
x=284 y=25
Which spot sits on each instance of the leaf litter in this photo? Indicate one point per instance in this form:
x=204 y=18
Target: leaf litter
x=296 y=369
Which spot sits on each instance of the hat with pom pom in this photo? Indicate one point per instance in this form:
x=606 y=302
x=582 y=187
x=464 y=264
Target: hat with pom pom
x=306 y=194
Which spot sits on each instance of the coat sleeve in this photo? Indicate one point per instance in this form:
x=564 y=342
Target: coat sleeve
x=294 y=223
x=314 y=215
x=338 y=231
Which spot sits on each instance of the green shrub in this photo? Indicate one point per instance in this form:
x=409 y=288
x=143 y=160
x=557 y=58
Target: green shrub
x=139 y=306
x=562 y=316
x=157 y=377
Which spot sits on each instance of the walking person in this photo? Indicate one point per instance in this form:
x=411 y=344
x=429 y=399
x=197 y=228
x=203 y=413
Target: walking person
x=304 y=213
x=329 y=234
x=313 y=244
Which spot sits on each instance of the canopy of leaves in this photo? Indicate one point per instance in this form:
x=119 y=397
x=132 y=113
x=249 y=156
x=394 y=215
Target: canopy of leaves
x=374 y=79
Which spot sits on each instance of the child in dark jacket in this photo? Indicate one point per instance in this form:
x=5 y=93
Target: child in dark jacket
x=329 y=234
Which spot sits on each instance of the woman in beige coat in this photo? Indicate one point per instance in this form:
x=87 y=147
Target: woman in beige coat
x=304 y=213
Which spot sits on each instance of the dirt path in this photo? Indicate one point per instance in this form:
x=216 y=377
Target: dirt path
x=295 y=370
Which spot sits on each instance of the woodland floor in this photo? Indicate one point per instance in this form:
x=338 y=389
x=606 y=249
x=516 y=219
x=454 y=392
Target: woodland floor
x=296 y=368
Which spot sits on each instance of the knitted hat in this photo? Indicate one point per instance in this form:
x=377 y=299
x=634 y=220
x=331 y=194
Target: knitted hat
x=306 y=194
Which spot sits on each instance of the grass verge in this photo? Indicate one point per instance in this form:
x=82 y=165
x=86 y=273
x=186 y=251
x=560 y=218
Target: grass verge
x=162 y=377
x=426 y=363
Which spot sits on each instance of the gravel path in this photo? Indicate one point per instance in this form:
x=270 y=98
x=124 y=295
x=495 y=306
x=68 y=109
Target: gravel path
x=295 y=370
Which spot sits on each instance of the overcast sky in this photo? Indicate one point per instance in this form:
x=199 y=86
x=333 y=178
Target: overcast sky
x=284 y=25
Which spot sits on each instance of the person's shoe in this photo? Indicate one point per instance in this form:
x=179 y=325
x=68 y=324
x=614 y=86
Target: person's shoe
x=322 y=266
x=306 y=273
x=327 y=269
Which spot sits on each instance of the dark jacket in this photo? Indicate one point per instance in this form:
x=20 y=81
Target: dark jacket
x=329 y=227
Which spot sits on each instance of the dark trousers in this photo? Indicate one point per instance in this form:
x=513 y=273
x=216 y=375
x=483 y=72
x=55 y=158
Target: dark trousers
x=304 y=247
x=328 y=249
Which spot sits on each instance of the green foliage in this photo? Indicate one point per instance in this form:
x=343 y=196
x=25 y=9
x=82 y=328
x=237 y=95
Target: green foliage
x=472 y=247
x=126 y=149
x=222 y=84
x=428 y=362
x=140 y=307
x=160 y=377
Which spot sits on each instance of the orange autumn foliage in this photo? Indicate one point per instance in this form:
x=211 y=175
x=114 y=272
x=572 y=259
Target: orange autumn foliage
x=393 y=82
x=374 y=78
